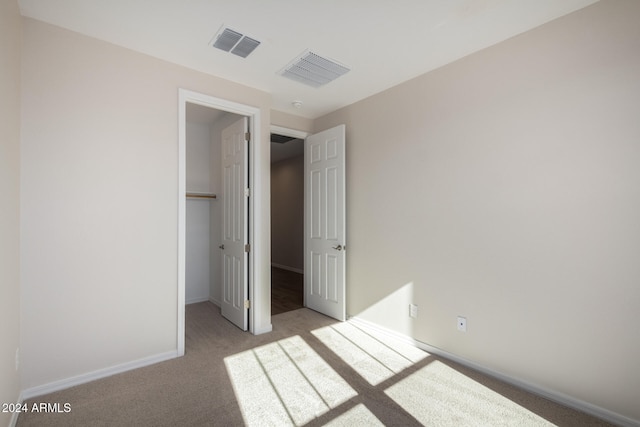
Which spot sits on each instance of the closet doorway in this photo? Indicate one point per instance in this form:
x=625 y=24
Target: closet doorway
x=203 y=228
x=225 y=112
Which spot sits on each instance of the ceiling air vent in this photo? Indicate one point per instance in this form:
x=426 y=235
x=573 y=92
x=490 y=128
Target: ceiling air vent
x=245 y=47
x=313 y=70
x=232 y=41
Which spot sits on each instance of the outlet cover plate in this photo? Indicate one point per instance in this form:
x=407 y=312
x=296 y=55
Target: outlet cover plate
x=462 y=324
x=413 y=310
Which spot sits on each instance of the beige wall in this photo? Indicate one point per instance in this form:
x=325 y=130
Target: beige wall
x=505 y=187
x=290 y=121
x=287 y=214
x=99 y=201
x=10 y=46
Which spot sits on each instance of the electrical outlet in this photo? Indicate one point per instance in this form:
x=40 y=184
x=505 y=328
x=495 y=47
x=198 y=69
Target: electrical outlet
x=413 y=310
x=462 y=324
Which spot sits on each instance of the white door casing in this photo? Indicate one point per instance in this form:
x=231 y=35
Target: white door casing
x=258 y=258
x=234 y=224
x=325 y=227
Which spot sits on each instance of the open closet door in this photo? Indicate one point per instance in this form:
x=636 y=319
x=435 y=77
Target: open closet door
x=235 y=231
x=325 y=231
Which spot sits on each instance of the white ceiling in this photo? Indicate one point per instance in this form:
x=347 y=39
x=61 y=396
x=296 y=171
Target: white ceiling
x=384 y=42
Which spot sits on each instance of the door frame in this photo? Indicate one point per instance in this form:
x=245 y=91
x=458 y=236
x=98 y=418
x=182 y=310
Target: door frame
x=293 y=133
x=255 y=203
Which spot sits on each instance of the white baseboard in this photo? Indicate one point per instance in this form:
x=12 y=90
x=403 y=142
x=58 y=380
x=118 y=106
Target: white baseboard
x=196 y=300
x=555 y=396
x=214 y=302
x=286 y=267
x=264 y=330
x=96 y=375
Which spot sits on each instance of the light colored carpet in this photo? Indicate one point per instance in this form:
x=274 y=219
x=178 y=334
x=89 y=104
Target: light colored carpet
x=309 y=371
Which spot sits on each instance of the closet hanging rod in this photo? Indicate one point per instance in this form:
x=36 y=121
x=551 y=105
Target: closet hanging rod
x=201 y=196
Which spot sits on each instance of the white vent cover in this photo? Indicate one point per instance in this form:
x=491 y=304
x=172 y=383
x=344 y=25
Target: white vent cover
x=313 y=70
x=232 y=41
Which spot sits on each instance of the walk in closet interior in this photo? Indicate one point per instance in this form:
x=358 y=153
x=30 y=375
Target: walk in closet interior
x=204 y=205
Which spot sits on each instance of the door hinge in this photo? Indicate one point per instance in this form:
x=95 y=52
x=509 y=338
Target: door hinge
x=247 y=247
x=247 y=192
x=247 y=136
x=247 y=304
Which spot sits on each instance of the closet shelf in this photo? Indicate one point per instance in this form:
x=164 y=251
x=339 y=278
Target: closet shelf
x=201 y=196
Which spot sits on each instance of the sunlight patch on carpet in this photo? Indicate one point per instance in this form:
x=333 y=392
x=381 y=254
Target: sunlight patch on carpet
x=439 y=395
x=359 y=415
x=285 y=383
x=369 y=356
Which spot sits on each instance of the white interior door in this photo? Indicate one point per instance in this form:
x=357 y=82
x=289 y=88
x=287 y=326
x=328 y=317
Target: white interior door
x=234 y=225
x=325 y=231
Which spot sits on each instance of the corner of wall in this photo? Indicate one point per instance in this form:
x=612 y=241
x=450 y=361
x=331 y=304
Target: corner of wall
x=10 y=84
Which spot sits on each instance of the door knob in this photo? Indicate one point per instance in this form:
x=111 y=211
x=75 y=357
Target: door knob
x=221 y=247
x=338 y=248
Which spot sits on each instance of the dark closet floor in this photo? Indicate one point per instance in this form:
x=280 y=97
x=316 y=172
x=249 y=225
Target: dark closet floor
x=286 y=290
